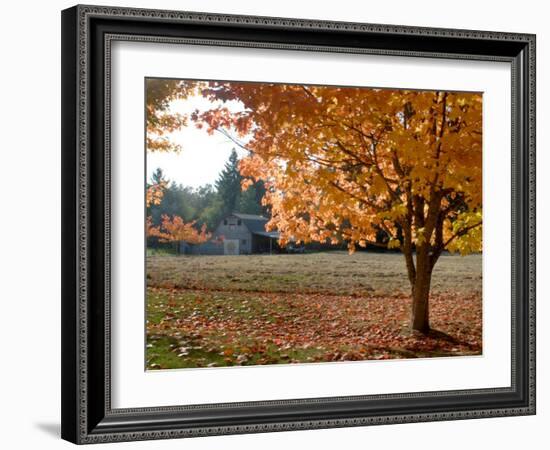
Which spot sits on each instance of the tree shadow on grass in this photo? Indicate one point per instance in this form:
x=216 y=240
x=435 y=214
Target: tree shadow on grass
x=440 y=335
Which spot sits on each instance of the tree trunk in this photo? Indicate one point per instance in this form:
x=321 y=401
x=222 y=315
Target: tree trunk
x=420 y=319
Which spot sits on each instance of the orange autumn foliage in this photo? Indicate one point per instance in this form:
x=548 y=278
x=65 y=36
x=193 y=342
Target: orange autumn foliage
x=175 y=229
x=154 y=193
x=344 y=163
x=160 y=121
x=341 y=163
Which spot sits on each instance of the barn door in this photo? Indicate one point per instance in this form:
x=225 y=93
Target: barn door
x=231 y=247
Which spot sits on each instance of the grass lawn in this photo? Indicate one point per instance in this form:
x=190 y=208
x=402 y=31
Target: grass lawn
x=208 y=311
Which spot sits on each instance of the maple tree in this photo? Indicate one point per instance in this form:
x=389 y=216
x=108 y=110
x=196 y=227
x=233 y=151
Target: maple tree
x=343 y=163
x=175 y=229
x=160 y=121
x=154 y=193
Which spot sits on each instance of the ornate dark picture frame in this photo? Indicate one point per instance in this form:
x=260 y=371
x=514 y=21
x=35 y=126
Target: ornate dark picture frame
x=87 y=33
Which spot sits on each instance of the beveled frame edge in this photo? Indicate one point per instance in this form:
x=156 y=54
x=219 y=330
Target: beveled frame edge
x=76 y=217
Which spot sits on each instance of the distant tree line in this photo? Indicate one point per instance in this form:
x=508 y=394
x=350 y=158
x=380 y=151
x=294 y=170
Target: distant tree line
x=208 y=204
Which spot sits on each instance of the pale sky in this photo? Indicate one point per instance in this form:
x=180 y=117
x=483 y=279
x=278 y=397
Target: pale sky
x=203 y=156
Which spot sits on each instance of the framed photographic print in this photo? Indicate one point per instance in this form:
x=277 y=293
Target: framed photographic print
x=281 y=224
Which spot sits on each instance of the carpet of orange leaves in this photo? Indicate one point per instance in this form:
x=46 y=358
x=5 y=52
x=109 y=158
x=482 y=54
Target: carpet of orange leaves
x=199 y=328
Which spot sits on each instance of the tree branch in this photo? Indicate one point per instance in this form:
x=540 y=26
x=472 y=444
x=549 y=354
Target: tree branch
x=226 y=133
x=356 y=197
x=461 y=233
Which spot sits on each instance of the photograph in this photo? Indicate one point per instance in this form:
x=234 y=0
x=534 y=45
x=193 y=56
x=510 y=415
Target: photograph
x=300 y=223
x=287 y=219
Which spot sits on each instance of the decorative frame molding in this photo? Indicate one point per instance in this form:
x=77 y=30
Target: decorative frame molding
x=87 y=34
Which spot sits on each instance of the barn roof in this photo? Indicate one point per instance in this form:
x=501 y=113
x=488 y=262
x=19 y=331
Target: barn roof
x=256 y=224
x=249 y=216
x=269 y=234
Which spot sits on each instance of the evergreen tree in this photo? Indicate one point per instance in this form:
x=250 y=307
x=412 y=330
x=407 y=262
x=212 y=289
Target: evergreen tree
x=228 y=185
x=176 y=200
x=207 y=204
x=158 y=176
x=248 y=202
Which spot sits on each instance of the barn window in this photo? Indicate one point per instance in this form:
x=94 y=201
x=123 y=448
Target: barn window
x=239 y=222
x=244 y=241
x=225 y=222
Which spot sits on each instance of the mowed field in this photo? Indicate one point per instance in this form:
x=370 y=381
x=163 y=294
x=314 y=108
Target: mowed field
x=210 y=311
